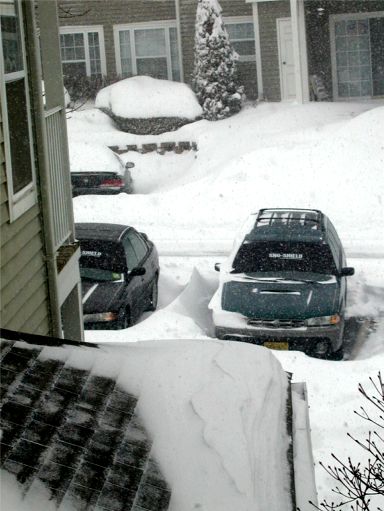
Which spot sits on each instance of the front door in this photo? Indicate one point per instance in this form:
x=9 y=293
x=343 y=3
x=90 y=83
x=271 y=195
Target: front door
x=286 y=61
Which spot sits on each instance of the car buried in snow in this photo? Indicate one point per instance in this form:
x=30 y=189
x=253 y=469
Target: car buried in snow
x=119 y=269
x=284 y=284
x=96 y=169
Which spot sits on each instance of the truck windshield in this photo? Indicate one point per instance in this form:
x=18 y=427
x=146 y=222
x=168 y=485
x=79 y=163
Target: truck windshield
x=284 y=256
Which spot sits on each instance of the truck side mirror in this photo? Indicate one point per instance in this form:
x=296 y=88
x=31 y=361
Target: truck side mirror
x=347 y=271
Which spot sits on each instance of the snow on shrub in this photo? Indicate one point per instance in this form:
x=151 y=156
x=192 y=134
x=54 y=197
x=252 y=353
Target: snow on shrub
x=142 y=104
x=214 y=75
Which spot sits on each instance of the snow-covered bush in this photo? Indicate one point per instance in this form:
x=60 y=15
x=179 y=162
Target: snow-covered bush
x=145 y=105
x=214 y=76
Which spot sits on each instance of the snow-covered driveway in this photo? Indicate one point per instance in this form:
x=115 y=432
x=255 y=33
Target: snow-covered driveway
x=328 y=156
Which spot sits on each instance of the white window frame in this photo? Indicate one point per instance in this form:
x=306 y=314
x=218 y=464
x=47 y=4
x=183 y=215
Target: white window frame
x=85 y=30
x=340 y=17
x=24 y=199
x=237 y=20
x=150 y=25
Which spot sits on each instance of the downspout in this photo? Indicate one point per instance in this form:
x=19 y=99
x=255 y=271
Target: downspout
x=42 y=166
x=179 y=45
x=259 y=70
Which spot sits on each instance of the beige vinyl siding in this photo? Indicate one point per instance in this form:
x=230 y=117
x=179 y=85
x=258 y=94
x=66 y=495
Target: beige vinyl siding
x=268 y=13
x=114 y=12
x=24 y=293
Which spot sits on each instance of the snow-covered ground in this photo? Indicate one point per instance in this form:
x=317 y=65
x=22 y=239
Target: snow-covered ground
x=328 y=156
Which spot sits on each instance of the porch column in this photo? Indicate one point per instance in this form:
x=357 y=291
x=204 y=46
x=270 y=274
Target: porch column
x=299 y=50
x=259 y=71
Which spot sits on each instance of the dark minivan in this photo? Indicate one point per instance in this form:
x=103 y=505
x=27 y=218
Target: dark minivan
x=284 y=285
x=119 y=270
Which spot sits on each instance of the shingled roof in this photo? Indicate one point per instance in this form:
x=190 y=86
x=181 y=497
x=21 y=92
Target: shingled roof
x=76 y=432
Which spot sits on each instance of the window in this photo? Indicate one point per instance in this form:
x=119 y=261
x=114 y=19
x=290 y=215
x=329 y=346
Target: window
x=82 y=51
x=242 y=36
x=148 y=50
x=357 y=52
x=138 y=245
x=130 y=254
x=16 y=112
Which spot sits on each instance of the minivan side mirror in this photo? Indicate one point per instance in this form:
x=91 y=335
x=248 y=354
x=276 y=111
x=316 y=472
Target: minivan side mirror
x=347 y=271
x=129 y=165
x=217 y=266
x=137 y=272
x=143 y=235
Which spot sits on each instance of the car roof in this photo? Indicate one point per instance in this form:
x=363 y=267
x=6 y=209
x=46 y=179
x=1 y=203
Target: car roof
x=287 y=224
x=100 y=231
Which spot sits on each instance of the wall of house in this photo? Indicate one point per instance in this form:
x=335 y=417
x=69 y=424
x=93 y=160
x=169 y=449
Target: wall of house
x=247 y=70
x=113 y=12
x=88 y=12
x=318 y=35
x=24 y=292
x=269 y=12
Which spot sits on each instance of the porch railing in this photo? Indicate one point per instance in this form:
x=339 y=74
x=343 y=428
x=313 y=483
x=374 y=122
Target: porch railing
x=59 y=178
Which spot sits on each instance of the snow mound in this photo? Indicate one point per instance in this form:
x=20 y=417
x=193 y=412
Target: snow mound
x=143 y=97
x=89 y=157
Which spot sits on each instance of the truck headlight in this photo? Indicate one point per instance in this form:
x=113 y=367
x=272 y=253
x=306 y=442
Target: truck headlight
x=102 y=316
x=324 y=320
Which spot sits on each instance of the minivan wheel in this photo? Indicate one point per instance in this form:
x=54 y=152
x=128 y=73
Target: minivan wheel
x=125 y=319
x=336 y=355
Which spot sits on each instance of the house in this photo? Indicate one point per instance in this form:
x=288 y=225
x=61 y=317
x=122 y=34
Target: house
x=150 y=426
x=40 y=280
x=288 y=49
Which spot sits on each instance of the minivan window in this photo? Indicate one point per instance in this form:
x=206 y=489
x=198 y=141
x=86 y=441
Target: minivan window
x=281 y=256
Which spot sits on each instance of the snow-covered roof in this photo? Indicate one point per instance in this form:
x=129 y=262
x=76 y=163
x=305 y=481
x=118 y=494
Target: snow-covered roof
x=142 y=97
x=175 y=425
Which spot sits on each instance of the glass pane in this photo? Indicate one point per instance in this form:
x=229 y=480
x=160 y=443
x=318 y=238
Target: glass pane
x=78 y=39
x=340 y=28
x=150 y=42
x=341 y=59
x=240 y=30
x=12 y=50
x=351 y=27
x=362 y=26
x=366 y=88
x=353 y=43
x=341 y=43
x=343 y=75
x=365 y=58
x=126 y=67
x=354 y=73
x=175 y=64
x=74 y=69
x=156 y=67
x=244 y=47
x=354 y=89
x=18 y=134
x=353 y=58
x=343 y=90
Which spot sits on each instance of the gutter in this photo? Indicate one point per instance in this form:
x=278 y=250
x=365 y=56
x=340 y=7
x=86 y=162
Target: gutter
x=303 y=462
